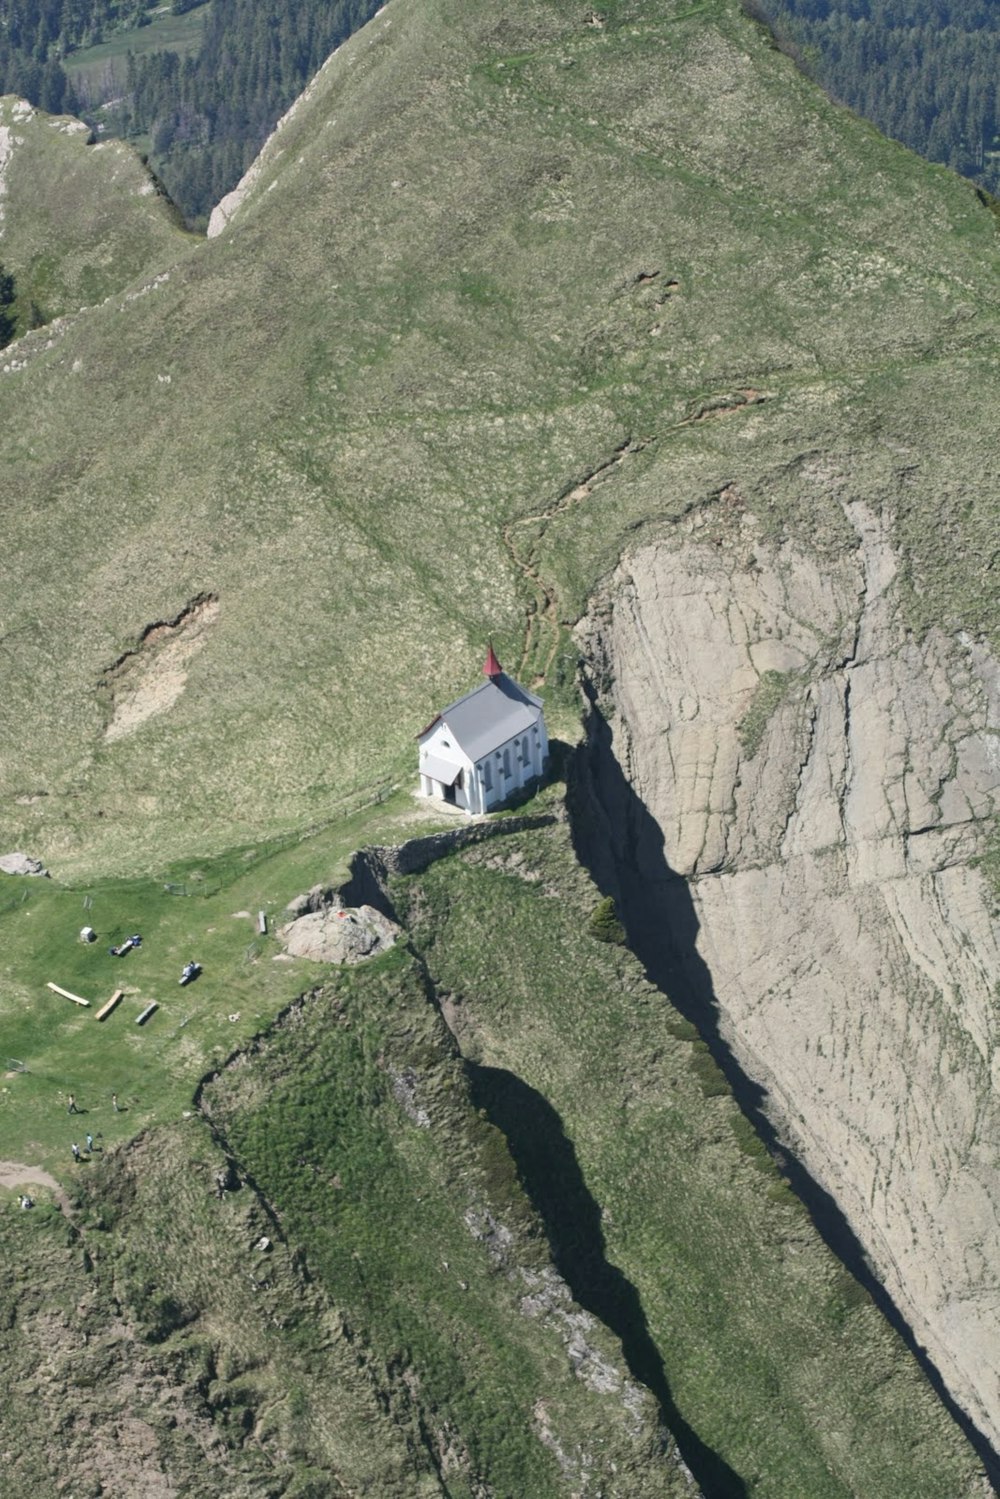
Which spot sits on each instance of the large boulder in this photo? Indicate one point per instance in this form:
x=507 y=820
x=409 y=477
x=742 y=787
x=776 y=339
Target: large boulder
x=339 y=934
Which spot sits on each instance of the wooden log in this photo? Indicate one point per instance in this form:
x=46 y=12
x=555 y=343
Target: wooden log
x=67 y=995
x=141 y=1019
x=107 y=1008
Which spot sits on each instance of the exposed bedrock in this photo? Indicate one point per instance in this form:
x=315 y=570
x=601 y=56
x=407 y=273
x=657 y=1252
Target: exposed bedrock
x=815 y=784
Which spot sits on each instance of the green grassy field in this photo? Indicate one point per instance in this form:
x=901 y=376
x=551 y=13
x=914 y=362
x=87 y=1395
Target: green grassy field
x=205 y=912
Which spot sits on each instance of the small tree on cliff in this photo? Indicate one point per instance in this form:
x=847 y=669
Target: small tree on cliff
x=604 y=923
x=7 y=294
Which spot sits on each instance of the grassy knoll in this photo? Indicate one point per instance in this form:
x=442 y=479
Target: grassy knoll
x=661 y=1206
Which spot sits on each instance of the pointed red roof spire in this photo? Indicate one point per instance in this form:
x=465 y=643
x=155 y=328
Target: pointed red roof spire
x=492 y=667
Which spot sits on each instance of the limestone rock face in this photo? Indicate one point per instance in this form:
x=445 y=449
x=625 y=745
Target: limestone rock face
x=823 y=780
x=339 y=934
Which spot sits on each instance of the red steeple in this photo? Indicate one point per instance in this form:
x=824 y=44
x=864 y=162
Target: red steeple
x=492 y=667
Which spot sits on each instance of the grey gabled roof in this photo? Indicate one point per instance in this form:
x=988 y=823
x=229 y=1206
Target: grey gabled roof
x=490 y=714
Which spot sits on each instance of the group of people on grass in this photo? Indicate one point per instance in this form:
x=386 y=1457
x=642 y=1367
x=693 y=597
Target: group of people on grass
x=72 y=1107
x=189 y=972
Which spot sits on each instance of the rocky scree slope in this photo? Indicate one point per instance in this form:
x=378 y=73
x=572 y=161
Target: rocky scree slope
x=822 y=779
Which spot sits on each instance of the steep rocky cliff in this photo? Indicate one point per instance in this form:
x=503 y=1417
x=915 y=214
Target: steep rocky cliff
x=811 y=783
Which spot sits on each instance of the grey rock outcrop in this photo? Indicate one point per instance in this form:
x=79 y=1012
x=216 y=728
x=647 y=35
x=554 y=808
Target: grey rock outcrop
x=22 y=864
x=339 y=934
x=823 y=781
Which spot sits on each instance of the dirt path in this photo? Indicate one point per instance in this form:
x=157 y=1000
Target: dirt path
x=15 y=1174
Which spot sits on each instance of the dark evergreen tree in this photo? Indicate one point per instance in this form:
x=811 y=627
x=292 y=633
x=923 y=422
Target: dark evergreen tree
x=208 y=115
x=7 y=321
x=925 y=71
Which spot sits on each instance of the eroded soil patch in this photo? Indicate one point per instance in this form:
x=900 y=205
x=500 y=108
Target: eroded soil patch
x=16 y=1174
x=148 y=680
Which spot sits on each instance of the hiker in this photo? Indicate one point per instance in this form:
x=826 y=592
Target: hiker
x=189 y=971
x=76 y=1150
x=27 y=1202
x=71 y=1107
x=114 y=1102
x=127 y=946
x=90 y=1143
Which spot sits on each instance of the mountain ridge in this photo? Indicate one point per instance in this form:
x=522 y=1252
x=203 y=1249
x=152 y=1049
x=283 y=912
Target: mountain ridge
x=512 y=302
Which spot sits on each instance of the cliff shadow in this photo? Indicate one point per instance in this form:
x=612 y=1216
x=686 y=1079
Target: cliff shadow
x=621 y=844
x=550 y=1174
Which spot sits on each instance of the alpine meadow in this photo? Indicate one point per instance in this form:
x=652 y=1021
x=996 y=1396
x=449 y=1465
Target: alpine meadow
x=636 y=1139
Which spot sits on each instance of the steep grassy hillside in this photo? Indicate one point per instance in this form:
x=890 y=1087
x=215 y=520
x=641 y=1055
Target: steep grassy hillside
x=359 y=417
x=358 y=1300
x=78 y=221
x=665 y=1214
x=363 y=1261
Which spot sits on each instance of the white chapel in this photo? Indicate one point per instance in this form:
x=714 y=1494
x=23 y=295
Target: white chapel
x=481 y=749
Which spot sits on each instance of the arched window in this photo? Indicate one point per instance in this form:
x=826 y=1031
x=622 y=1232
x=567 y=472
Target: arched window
x=525 y=751
x=506 y=762
x=487 y=776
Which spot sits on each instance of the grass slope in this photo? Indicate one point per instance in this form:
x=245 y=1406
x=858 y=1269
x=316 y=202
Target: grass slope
x=365 y=418
x=400 y=1333
x=78 y=221
x=153 y=1348
x=661 y=1206
x=205 y=911
x=357 y=1124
